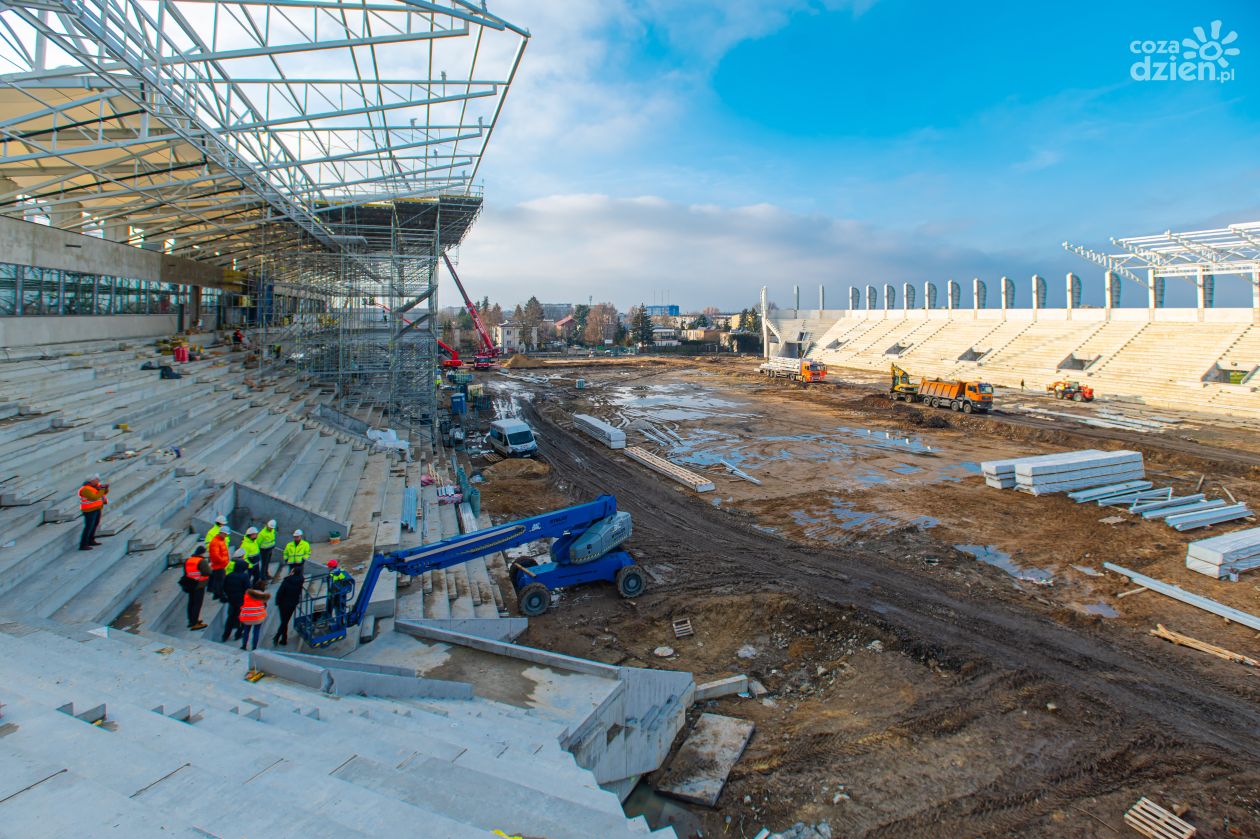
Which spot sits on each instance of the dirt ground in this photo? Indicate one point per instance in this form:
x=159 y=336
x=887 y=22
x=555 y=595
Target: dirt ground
x=912 y=689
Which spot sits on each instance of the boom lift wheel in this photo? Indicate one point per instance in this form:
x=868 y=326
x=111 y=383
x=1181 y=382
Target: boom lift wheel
x=533 y=599
x=630 y=581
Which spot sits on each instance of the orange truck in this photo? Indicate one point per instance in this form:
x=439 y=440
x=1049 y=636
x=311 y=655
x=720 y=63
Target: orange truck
x=796 y=369
x=967 y=397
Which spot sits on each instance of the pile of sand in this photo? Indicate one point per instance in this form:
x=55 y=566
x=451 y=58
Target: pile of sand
x=516 y=468
x=522 y=362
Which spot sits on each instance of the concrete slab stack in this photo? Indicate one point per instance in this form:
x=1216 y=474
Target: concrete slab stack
x=1220 y=556
x=1001 y=473
x=1078 y=470
x=613 y=438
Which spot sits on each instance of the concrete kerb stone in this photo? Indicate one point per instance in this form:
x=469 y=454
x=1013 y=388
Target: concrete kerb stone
x=721 y=687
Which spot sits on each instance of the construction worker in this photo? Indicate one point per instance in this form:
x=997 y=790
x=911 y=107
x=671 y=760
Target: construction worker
x=196 y=576
x=219 y=560
x=249 y=547
x=220 y=522
x=234 y=587
x=288 y=597
x=253 y=613
x=92 y=500
x=266 y=544
x=297 y=551
x=339 y=585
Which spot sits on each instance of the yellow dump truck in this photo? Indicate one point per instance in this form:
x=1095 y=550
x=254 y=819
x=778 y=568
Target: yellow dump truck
x=968 y=397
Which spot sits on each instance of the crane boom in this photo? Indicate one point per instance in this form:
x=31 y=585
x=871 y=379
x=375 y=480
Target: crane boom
x=487 y=343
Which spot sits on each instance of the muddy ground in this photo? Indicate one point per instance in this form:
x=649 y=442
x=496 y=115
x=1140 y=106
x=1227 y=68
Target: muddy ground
x=912 y=689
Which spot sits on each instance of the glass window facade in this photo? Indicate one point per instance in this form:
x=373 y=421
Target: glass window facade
x=27 y=290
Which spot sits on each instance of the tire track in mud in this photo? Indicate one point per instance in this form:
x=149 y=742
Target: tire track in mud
x=1149 y=697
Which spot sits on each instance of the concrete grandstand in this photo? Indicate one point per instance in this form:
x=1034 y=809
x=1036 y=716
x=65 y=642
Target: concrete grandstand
x=194 y=168
x=1203 y=358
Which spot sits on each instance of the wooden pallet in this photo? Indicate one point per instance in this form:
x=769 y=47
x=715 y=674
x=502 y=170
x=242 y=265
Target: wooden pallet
x=699 y=483
x=1150 y=819
x=682 y=628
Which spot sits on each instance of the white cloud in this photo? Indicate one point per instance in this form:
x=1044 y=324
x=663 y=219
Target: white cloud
x=632 y=250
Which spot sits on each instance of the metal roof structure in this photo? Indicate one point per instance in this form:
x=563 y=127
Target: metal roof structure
x=195 y=121
x=326 y=151
x=1227 y=250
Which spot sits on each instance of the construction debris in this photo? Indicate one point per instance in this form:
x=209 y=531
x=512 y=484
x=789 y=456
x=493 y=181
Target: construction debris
x=670 y=470
x=739 y=473
x=682 y=628
x=1221 y=556
x=1150 y=819
x=699 y=769
x=1198 y=601
x=1160 y=631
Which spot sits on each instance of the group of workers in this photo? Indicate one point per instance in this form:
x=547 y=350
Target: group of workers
x=240 y=578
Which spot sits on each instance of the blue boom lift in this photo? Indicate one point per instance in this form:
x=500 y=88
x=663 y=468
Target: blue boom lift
x=586 y=549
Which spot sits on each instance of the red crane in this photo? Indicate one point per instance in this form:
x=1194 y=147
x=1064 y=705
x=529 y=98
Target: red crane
x=489 y=352
x=452 y=358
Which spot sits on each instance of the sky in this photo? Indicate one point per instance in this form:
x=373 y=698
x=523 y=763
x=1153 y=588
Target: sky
x=656 y=151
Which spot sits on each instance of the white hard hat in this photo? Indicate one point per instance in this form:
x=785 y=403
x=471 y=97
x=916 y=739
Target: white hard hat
x=220 y=519
x=253 y=531
x=297 y=533
x=271 y=523
x=96 y=476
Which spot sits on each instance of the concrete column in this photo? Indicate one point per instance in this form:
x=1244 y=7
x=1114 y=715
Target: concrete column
x=118 y=230
x=1255 y=296
x=796 y=300
x=822 y=299
x=929 y=295
x=1072 y=287
x=1152 y=297
x=855 y=298
x=979 y=294
x=66 y=216
x=1204 y=290
x=765 y=338
x=907 y=292
x=1038 y=284
x=1111 y=291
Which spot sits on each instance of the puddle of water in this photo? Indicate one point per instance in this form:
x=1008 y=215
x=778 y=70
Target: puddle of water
x=1100 y=609
x=999 y=559
x=907 y=469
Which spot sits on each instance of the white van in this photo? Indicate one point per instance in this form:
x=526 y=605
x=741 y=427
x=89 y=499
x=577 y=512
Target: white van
x=512 y=438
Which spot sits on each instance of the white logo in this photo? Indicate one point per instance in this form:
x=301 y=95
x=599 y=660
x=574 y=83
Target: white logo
x=1205 y=57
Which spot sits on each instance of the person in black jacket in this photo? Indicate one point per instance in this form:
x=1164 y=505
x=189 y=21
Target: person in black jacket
x=234 y=587
x=287 y=598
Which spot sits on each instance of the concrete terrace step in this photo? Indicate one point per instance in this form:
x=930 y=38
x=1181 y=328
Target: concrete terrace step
x=66 y=575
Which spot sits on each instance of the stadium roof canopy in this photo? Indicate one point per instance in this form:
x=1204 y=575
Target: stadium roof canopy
x=193 y=124
x=1226 y=250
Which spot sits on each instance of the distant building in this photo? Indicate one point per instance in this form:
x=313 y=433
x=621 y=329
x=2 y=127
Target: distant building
x=669 y=311
x=513 y=337
x=566 y=327
x=555 y=311
x=707 y=335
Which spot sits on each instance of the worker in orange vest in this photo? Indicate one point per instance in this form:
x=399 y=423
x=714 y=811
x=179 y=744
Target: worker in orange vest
x=219 y=562
x=196 y=576
x=92 y=500
x=253 y=613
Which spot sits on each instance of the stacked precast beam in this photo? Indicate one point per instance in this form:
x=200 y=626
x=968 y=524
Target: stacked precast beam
x=1221 y=556
x=1064 y=472
x=613 y=438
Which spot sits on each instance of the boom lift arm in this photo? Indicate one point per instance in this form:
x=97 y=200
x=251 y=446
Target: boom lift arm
x=586 y=549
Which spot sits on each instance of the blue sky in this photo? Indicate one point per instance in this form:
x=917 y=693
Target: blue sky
x=700 y=150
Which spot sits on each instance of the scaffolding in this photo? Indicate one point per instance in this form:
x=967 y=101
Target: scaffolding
x=323 y=153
